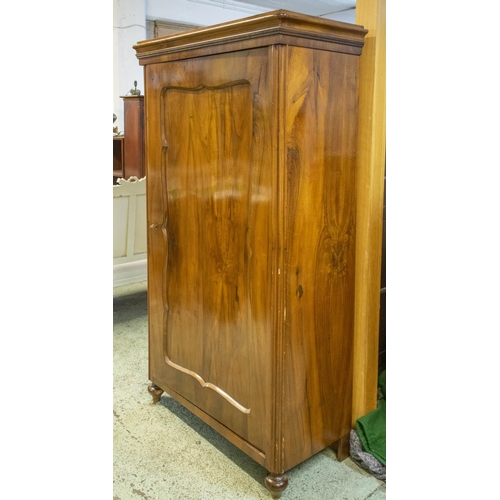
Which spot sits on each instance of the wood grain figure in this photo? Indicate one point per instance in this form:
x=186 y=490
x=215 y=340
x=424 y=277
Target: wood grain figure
x=251 y=131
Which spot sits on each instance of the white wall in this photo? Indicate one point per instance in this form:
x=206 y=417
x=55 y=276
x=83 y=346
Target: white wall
x=348 y=16
x=197 y=13
x=129 y=27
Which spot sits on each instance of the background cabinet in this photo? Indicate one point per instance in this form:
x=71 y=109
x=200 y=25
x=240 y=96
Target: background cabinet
x=251 y=155
x=129 y=150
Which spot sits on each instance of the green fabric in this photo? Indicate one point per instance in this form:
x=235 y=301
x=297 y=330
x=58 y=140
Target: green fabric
x=381 y=383
x=370 y=428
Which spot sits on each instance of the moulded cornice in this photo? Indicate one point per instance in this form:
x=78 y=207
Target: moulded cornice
x=275 y=26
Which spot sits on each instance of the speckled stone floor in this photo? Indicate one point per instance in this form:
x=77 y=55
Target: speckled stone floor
x=163 y=452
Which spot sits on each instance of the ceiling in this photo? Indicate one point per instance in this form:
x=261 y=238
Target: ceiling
x=342 y=10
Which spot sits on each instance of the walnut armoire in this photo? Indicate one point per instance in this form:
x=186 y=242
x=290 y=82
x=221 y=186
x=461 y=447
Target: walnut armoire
x=251 y=130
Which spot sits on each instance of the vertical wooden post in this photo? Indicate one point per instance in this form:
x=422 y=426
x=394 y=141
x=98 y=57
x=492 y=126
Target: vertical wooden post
x=371 y=154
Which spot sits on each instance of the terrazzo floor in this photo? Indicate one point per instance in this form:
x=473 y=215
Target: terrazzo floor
x=163 y=452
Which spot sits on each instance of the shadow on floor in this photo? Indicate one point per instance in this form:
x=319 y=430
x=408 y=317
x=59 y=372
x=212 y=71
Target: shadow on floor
x=128 y=307
x=243 y=461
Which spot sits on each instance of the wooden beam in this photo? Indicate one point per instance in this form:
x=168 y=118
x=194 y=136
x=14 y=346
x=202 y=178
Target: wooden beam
x=370 y=191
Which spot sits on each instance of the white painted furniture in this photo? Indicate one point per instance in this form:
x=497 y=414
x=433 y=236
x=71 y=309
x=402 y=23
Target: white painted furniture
x=129 y=231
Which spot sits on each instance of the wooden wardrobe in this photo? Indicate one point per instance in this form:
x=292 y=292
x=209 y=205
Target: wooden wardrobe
x=251 y=131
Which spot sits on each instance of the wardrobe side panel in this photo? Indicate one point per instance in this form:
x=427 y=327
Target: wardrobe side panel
x=320 y=148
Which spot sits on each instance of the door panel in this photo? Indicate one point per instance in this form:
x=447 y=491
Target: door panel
x=211 y=199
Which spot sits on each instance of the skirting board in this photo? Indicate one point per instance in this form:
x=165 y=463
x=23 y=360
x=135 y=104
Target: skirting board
x=129 y=272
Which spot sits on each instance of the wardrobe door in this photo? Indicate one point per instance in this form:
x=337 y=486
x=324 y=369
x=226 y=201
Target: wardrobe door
x=211 y=213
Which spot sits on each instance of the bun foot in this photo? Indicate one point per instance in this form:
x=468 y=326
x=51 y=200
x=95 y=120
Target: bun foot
x=156 y=392
x=276 y=484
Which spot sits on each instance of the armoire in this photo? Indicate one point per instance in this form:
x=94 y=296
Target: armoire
x=251 y=130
